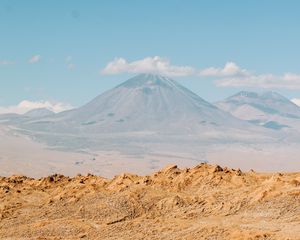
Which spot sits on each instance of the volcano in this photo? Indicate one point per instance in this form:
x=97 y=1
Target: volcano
x=147 y=102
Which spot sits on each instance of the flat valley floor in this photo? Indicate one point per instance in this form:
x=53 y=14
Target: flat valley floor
x=21 y=155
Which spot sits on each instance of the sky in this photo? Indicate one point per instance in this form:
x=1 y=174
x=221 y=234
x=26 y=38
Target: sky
x=61 y=54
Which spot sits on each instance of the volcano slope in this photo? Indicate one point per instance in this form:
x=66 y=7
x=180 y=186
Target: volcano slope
x=204 y=202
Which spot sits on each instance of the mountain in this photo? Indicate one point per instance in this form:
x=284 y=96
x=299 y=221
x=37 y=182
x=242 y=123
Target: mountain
x=147 y=102
x=38 y=112
x=17 y=119
x=268 y=109
x=10 y=117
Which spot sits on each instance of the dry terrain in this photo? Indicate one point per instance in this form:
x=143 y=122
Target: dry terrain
x=204 y=202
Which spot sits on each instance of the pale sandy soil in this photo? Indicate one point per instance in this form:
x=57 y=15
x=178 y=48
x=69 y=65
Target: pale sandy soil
x=269 y=158
x=204 y=202
x=21 y=155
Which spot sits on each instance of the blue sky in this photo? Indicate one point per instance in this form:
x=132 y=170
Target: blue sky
x=56 y=50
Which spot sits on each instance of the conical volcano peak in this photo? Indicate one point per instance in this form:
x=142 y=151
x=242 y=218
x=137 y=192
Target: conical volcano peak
x=145 y=103
x=147 y=80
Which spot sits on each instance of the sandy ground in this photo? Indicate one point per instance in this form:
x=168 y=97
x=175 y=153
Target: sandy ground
x=275 y=158
x=20 y=155
x=204 y=202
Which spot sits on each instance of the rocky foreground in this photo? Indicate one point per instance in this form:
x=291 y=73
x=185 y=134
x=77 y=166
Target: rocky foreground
x=204 y=202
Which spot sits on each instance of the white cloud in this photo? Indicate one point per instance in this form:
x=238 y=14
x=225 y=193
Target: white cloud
x=234 y=76
x=288 y=81
x=25 y=106
x=34 y=59
x=6 y=62
x=296 y=101
x=230 y=69
x=157 y=65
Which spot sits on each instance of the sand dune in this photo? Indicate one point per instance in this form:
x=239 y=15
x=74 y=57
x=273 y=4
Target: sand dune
x=204 y=202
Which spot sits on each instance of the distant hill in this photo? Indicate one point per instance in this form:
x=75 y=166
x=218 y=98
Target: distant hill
x=14 y=118
x=38 y=112
x=268 y=109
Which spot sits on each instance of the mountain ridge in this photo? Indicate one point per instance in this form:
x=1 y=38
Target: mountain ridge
x=269 y=109
x=38 y=112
